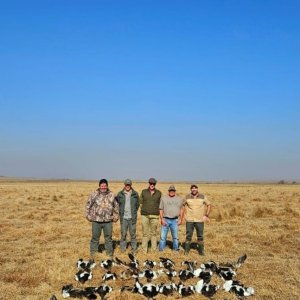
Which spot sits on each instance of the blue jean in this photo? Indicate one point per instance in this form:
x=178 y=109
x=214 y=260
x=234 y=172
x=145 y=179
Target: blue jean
x=171 y=224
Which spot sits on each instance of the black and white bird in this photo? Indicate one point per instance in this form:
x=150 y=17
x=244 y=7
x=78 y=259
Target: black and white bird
x=83 y=275
x=103 y=290
x=109 y=276
x=53 y=297
x=167 y=288
x=107 y=264
x=70 y=291
x=149 y=290
x=150 y=264
x=134 y=263
x=185 y=275
x=207 y=290
x=204 y=274
x=210 y=265
x=190 y=265
x=85 y=264
x=226 y=273
x=166 y=263
x=170 y=273
x=185 y=290
x=235 y=265
x=148 y=274
x=238 y=288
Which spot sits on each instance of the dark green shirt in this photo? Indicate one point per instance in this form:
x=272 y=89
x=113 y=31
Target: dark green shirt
x=150 y=203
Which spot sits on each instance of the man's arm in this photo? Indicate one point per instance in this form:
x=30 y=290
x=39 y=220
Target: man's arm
x=161 y=215
x=180 y=219
x=206 y=216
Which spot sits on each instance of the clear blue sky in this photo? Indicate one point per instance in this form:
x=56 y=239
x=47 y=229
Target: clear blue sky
x=178 y=90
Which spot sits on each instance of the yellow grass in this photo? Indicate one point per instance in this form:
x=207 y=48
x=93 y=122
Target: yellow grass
x=43 y=233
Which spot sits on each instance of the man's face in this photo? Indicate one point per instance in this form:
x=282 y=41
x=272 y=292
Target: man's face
x=194 y=190
x=127 y=187
x=151 y=186
x=172 y=193
x=103 y=187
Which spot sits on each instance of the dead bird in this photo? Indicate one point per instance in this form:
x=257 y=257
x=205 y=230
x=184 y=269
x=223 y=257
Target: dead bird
x=103 y=290
x=167 y=288
x=185 y=275
x=207 y=290
x=83 y=275
x=109 y=276
x=108 y=264
x=190 y=265
x=85 y=264
x=185 y=290
x=150 y=264
x=166 y=263
x=238 y=288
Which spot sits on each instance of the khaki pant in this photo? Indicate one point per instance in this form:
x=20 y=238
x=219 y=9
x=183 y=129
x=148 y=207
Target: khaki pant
x=149 y=228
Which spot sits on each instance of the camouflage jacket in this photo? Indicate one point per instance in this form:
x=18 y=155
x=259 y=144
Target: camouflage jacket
x=102 y=207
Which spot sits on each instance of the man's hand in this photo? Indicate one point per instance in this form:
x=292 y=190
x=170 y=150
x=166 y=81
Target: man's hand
x=206 y=219
x=179 y=221
x=163 y=222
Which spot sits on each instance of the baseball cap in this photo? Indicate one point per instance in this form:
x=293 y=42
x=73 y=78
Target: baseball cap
x=127 y=182
x=171 y=188
x=152 y=180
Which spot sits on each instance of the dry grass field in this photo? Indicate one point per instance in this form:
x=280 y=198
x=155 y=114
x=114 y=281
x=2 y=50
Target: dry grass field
x=44 y=232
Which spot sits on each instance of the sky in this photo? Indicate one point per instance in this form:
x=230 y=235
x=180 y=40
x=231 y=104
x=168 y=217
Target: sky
x=176 y=90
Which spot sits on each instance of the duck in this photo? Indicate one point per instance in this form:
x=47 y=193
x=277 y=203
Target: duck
x=238 y=288
x=85 y=264
x=107 y=264
x=53 y=297
x=166 y=263
x=190 y=265
x=167 y=288
x=226 y=273
x=149 y=264
x=185 y=275
x=204 y=274
x=70 y=291
x=109 y=276
x=149 y=290
x=207 y=290
x=235 y=265
x=149 y=274
x=83 y=275
x=185 y=290
x=103 y=290
x=134 y=264
x=170 y=273
x=210 y=265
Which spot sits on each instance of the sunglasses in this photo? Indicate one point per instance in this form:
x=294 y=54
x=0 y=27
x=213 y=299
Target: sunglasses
x=152 y=184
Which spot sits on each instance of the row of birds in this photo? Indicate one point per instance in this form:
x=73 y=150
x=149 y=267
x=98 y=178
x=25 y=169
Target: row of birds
x=204 y=273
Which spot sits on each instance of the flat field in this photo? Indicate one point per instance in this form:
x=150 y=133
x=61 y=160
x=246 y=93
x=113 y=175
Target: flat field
x=43 y=233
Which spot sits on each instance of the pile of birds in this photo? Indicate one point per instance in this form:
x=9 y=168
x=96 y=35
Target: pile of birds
x=151 y=272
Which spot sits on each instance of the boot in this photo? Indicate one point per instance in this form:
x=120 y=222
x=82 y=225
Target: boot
x=200 y=248
x=187 y=248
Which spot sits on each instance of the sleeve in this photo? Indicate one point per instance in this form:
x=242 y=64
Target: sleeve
x=141 y=198
x=88 y=207
x=161 y=203
x=115 y=209
x=206 y=201
x=137 y=202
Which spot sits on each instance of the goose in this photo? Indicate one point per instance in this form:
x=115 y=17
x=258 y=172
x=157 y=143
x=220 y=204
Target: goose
x=166 y=263
x=149 y=290
x=134 y=264
x=210 y=265
x=207 y=290
x=185 y=290
x=70 y=291
x=149 y=264
x=204 y=274
x=149 y=274
x=85 y=264
x=226 y=273
x=190 y=265
x=109 y=276
x=103 y=290
x=83 y=275
x=185 y=275
x=238 y=288
x=167 y=288
x=235 y=265
x=107 y=264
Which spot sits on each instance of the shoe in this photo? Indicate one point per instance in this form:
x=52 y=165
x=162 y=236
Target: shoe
x=200 y=248
x=187 y=248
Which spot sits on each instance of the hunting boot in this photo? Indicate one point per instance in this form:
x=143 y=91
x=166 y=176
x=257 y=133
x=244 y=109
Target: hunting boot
x=187 y=248
x=200 y=248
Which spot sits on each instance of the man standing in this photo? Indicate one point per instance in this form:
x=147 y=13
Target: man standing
x=171 y=214
x=128 y=200
x=197 y=209
x=150 y=199
x=102 y=209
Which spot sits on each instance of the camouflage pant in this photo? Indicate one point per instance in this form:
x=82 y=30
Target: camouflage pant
x=97 y=227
